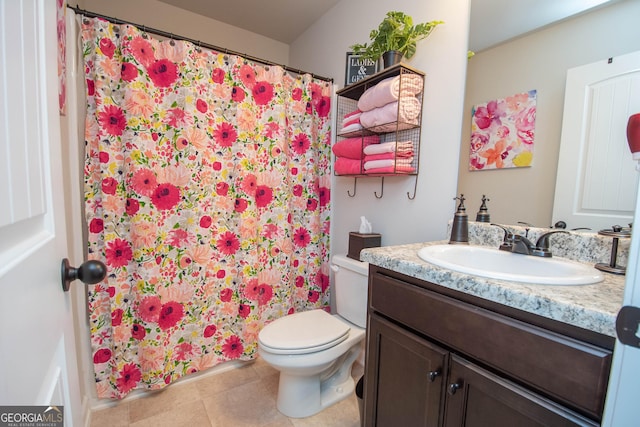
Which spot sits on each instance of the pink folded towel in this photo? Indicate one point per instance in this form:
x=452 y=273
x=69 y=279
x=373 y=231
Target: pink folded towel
x=351 y=128
x=389 y=90
x=388 y=147
x=392 y=169
x=351 y=148
x=376 y=164
x=401 y=154
x=349 y=122
x=392 y=127
x=344 y=166
x=353 y=114
x=406 y=110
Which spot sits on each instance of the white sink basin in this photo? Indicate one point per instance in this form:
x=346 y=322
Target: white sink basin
x=496 y=264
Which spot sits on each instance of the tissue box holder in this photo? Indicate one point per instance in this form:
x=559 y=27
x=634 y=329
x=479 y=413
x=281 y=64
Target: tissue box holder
x=359 y=241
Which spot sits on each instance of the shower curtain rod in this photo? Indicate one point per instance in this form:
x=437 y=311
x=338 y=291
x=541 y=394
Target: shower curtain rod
x=172 y=36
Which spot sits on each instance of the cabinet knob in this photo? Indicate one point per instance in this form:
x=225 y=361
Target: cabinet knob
x=453 y=388
x=433 y=375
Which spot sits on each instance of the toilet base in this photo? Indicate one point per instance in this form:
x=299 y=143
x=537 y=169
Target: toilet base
x=303 y=396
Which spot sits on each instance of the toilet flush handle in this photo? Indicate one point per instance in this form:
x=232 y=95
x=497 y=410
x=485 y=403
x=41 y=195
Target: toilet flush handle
x=335 y=268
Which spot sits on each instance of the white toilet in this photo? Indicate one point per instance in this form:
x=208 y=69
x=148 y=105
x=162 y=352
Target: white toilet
x=314 y=350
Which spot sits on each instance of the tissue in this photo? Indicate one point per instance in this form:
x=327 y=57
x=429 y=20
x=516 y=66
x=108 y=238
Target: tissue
x=365 y=226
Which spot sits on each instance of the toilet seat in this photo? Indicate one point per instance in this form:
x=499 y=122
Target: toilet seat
x=304 y=332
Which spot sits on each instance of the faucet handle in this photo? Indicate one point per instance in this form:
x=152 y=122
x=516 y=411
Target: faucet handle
x=542 y=245
x=507 y=239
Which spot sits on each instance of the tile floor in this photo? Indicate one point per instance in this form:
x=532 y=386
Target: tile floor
x=240 y=397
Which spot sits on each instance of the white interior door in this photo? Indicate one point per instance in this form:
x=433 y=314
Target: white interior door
x=596 y=184
x=37 y=350
x=621 y=406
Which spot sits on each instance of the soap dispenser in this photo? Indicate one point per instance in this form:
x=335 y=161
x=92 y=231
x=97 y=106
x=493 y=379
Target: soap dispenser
x=483 y=212
x=460 y=228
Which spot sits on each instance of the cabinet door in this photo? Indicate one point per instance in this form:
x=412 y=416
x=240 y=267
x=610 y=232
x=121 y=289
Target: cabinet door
x=479 y=398
x=404 y=381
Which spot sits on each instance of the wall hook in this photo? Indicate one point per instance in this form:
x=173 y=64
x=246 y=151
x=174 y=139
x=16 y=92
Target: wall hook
x=415 y=186
x=355 y=183
x=375 y=193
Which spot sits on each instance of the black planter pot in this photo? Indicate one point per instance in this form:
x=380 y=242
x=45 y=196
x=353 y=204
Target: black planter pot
x=391 y=57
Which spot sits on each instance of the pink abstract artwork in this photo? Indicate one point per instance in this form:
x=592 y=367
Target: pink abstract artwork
x=502 y=132
x=62 y=54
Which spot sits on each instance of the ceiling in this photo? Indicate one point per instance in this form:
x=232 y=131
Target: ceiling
x=281 y=20
x=492 y=21
x=495 y=21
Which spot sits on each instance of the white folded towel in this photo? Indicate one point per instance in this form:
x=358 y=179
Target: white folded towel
x=372 y=164
x=387 y=147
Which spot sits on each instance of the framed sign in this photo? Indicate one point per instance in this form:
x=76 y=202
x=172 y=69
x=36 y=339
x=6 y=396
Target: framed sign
x=358 y=68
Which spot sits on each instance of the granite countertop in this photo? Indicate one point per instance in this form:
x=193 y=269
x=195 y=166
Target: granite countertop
x=592 y=307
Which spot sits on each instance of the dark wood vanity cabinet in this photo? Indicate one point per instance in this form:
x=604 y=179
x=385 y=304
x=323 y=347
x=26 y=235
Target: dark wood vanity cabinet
x=435 y=360
x=406 y=365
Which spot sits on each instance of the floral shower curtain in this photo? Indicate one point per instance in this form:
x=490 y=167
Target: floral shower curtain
x=207 y=196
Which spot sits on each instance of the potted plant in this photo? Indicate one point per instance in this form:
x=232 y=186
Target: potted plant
x=395 y=38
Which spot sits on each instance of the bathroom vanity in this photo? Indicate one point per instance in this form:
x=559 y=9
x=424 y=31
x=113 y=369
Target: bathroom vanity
x=451 y=349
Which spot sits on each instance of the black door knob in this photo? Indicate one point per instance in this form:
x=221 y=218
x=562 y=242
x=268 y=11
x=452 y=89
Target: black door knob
x=89 y=272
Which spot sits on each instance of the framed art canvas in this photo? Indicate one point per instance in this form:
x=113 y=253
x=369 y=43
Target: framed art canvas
x=502 y=132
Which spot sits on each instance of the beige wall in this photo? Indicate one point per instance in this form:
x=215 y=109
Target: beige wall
x=156 y=14
x=538 y=61
x=442 y=57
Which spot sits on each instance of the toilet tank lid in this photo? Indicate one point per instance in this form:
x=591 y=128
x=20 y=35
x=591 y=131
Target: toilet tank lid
x=351 y=264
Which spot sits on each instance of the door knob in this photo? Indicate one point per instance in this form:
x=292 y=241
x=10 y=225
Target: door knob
x=628 y=325
x=89 y=272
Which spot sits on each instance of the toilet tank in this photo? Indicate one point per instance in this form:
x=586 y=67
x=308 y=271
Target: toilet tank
x=350 y=286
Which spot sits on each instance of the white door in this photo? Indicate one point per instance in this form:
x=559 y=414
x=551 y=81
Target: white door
x=621 y=407
x=596 y=184
x=37 y=350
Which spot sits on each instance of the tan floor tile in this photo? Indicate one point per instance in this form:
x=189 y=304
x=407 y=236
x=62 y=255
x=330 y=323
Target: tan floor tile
x=242 y=397
x=285 y=423
x=246 y=405
x=192 y=414
x=271 y=384
x=263 y=369
x=163 y=400
x=214 y=384
x=116 y=416
x=343 y=414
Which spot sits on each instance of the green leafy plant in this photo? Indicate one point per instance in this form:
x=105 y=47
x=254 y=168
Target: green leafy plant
x=395 y=32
